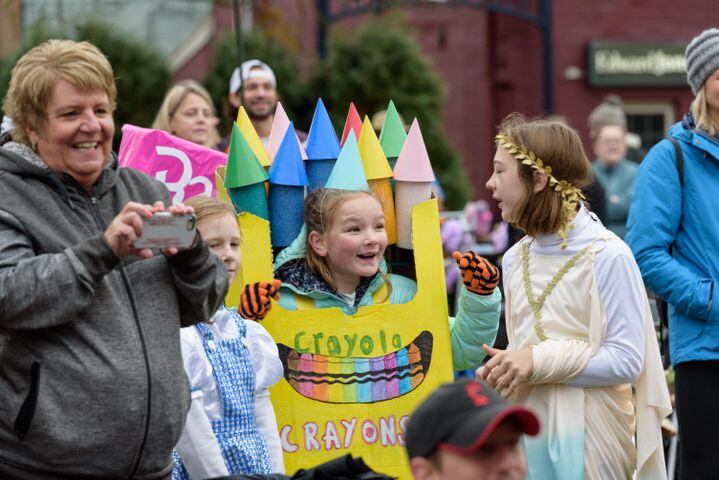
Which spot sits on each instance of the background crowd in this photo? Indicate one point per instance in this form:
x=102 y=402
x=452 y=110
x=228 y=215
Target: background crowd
x=119 y=393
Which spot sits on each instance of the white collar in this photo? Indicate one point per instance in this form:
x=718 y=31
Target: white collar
x=581 y=220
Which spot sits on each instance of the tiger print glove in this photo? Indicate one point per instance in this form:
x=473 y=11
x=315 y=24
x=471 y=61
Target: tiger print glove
x=478 y=274
x=255 y=299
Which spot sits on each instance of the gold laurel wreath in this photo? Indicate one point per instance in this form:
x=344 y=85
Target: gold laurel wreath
x=571 y=195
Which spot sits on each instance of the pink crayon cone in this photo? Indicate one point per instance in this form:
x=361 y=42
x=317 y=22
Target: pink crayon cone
x=413 y=178
x=280 y=123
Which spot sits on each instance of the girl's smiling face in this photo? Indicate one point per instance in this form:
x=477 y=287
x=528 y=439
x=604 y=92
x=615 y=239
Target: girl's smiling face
x=354 y=243
x=506 y=186
x=222 y=235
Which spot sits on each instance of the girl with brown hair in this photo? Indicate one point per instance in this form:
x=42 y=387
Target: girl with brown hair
x=579 y=327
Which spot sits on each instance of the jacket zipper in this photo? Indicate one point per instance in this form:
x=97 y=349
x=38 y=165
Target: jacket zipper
x=126 y=283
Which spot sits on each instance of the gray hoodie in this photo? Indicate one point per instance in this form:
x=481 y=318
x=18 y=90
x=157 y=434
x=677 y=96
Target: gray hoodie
x=91 y=377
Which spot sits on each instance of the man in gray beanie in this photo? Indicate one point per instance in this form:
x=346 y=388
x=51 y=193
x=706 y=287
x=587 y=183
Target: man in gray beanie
x=673 y=231
x=702 y=58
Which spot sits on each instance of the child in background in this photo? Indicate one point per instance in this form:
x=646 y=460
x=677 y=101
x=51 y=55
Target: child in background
x=230 y=363
x=578 y=321
x=337 y=261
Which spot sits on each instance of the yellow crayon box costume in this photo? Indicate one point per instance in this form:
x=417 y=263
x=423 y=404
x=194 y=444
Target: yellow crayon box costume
x=351 y=381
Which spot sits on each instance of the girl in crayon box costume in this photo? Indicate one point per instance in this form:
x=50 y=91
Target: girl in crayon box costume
x=230 y=363
x=578 y=321
x=343 y=267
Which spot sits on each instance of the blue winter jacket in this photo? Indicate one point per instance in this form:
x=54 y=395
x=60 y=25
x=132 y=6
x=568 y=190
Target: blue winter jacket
x=663 y=216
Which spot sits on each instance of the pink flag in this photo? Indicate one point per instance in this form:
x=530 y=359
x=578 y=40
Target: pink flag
x=186 y=168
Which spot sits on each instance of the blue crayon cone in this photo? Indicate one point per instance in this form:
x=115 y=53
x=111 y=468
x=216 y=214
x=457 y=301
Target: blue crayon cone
x=322 y=148
x=286 y=204
x=318 y=171
x=287 y=191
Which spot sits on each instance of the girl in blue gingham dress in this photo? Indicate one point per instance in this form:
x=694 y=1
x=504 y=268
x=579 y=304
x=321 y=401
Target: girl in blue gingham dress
x=240 y=442
x=221 y=436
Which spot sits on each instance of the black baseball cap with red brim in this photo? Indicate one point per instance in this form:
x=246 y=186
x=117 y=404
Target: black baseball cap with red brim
x=460 y=417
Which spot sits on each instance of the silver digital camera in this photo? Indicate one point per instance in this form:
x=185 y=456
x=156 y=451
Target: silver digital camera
x=165 y=230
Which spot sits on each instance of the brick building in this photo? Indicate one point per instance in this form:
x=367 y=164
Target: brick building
x=492 y=63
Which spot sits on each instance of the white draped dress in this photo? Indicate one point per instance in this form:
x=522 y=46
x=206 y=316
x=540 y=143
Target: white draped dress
x=594 y=425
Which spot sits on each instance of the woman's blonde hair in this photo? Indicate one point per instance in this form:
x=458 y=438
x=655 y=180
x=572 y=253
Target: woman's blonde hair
x=700 y=112
x=172 y=101
x=320 y=211
x=34 y=76
x=207 y=208
x=559 y=147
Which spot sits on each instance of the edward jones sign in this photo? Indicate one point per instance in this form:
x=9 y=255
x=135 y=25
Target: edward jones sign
x=626 y=64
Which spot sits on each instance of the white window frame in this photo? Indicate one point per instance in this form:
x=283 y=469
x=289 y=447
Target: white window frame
x=664 y=108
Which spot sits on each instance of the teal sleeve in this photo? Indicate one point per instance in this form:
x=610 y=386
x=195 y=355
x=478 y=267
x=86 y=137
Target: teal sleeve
x=287 y=299
x=476 y=323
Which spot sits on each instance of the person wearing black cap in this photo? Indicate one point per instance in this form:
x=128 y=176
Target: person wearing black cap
x=465 y=430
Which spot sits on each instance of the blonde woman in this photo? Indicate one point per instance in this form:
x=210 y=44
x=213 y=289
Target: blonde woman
x=91 y=378
x=188 y=113
x=673 y=230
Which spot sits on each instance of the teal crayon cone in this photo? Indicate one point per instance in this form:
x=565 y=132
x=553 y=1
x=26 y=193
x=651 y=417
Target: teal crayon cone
x=348 y=172
x=288 y=180
x=392 y=136
x=245 y=177
x=322 y=148
x=251 y=199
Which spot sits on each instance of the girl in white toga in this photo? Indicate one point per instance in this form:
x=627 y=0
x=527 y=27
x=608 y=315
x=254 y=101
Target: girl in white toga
x=578 y=321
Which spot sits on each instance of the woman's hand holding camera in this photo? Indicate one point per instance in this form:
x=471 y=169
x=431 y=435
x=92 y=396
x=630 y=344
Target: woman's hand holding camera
x=127 y=226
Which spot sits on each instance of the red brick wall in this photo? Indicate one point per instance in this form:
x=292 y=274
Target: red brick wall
x=492 y=64
x=456 y=42
x=578 y=23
